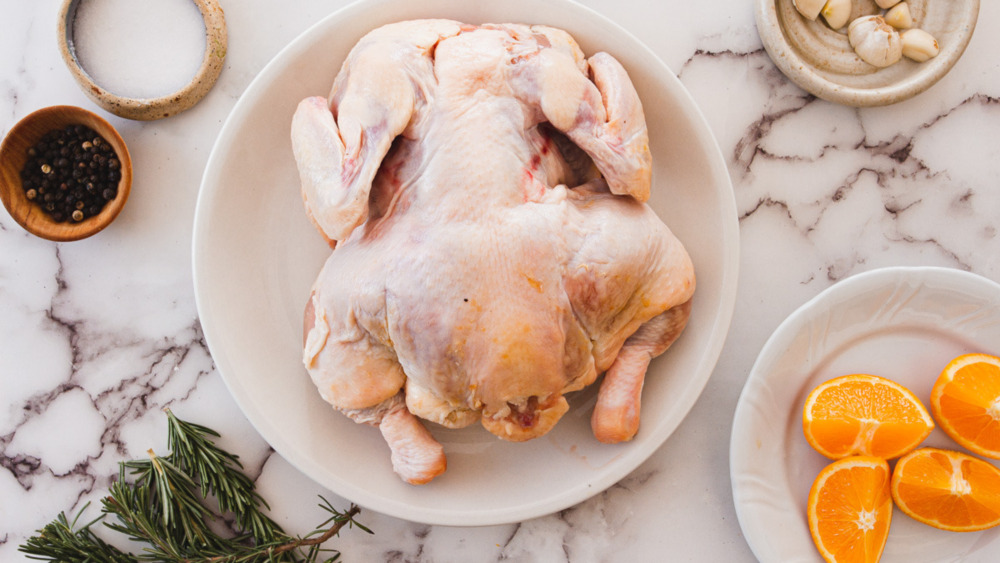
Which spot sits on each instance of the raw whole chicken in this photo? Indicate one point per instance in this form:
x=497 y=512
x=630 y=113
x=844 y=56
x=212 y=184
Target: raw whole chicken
x=483 y=190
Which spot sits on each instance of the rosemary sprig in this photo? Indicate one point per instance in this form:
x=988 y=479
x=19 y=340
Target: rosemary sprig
x=234 y=491
x=61 y=540
x=165 y=506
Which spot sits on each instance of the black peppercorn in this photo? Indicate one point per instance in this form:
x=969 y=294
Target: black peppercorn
x=72 y=173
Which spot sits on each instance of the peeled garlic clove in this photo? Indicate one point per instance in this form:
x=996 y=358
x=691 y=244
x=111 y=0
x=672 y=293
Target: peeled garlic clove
x=899 y=16
x=876 y=42
x=836 y=13
x=919 y=45
x=886 y=4
x=809 y=9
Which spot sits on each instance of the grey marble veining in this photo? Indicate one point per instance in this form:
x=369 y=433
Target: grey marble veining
x=98 y=336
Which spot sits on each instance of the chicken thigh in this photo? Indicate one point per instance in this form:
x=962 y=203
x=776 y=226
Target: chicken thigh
x=483 y=189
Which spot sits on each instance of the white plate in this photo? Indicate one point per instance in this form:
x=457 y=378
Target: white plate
x=256 y=255
x=902 y=323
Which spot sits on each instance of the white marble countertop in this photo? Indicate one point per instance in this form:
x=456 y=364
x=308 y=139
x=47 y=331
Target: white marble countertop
x=98 y=335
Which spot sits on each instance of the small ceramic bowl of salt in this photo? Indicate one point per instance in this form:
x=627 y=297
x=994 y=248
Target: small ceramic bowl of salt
x=143 y=60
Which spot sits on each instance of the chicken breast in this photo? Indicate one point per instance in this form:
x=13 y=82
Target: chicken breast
x=483 y=189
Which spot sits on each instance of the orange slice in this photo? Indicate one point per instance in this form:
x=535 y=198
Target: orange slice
x=965 y=401
x=850 y=508
x=866 y=415
x=948 y=490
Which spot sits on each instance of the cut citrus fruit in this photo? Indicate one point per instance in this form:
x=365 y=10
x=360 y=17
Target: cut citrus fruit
x=866 y=415
x=947 y=489
x=850 y=508
x=965 y=401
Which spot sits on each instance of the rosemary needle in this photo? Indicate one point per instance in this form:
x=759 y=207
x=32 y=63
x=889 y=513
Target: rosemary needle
x=163 y=503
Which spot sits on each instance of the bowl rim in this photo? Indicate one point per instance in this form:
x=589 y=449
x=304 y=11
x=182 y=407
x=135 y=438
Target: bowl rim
x=27 y=214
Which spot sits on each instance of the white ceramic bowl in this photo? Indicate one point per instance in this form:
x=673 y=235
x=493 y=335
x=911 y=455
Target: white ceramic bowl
x=256 y=256
x=902 y=323
x=821 y=61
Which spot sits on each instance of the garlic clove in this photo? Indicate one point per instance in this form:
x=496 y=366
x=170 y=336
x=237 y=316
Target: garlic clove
x=836 y=13
x=876 y=42
x=919 y=45
x=899 y=16
x=809 y=9
x=886 y=4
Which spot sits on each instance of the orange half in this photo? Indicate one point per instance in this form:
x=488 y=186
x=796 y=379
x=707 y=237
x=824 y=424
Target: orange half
x=965 y=401
x=863 y=414
x=947 y=489
x=850 y=508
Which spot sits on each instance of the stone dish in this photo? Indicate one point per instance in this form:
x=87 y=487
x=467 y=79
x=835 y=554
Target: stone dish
x=821 y=61
x=147 y=109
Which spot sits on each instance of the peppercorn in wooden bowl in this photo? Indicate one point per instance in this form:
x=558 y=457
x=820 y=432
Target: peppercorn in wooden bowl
x=65 y=173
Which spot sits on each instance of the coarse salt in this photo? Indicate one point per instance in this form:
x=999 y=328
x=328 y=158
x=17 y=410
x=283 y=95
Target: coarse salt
x=139 y=48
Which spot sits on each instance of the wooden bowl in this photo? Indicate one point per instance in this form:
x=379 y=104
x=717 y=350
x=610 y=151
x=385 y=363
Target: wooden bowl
x=14 y=155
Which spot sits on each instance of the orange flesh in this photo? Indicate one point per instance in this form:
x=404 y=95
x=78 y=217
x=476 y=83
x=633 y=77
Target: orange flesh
x=948 y=490
x=968 y=407
x=865 y=415
x=850 y=510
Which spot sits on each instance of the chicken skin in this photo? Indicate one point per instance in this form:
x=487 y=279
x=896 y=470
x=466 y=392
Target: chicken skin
x=483 y=189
